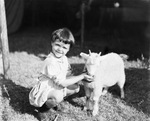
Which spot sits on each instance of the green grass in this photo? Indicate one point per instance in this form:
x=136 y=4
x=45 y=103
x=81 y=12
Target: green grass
x=24 y=69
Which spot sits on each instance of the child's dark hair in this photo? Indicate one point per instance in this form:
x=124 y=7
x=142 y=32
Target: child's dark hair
x=63 y=35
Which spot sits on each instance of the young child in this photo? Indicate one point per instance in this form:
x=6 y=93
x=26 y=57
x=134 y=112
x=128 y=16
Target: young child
x=55 y=70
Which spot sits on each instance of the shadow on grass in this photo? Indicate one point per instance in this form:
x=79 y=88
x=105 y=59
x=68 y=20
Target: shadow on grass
x=18 y=97
x=137 y=89
x=80 y=94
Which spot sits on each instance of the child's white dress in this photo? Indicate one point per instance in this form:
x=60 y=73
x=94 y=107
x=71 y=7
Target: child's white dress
x=53 y=69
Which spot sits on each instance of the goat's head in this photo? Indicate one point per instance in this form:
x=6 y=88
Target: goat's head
x=91 y=61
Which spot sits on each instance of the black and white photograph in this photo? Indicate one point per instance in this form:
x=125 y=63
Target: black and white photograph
x=74 y=60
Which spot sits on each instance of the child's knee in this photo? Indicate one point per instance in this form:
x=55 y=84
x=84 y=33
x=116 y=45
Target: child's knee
x=51 y=102
x=57 y=95
x=54 y=100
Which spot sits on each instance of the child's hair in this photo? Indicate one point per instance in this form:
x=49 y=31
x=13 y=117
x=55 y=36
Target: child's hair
x=63 y=35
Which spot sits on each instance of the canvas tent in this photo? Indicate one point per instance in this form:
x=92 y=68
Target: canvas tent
x=14 y=14
x=131 y=11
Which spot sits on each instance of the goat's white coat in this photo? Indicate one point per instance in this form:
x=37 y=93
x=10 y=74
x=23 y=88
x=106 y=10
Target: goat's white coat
x=108 y=71
x=1 y=64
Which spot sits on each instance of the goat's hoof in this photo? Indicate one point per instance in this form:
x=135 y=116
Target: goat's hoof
x=84 y=108
x=122 y=97
x=89 y=112
x=94 y=113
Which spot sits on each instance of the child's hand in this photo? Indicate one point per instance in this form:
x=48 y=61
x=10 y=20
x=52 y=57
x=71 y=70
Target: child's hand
x=53 y=78
x=89 y=78
x=55 y=81
x=58 y=84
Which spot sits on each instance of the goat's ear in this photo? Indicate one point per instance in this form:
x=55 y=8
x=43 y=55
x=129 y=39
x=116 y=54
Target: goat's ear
x=84 y=55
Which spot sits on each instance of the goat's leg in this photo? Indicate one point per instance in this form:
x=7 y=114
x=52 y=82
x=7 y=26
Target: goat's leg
x=86 y=103
x=89 y=106
x=121 y=90
x=89 y=102
x=121 y=85
x=122 y=93
x=88 y=95
x=97 y=93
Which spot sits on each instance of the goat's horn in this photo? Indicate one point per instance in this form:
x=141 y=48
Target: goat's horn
x=89 y=52
x=99 y=53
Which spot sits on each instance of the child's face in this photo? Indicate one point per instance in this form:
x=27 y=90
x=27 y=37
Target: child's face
x=59 y=49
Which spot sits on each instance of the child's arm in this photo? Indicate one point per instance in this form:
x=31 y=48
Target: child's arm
x=74 y=79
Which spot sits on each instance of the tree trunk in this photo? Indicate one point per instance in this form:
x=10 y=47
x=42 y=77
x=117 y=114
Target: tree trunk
x=4 y=39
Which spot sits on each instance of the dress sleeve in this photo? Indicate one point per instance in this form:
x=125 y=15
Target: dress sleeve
x=50 y=69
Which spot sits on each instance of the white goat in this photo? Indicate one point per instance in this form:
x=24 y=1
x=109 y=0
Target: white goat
x=107 y=71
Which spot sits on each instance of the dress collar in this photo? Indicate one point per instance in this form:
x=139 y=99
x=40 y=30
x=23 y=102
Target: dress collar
x=60 y=60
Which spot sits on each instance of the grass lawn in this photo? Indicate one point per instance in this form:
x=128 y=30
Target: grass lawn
x=25 y=64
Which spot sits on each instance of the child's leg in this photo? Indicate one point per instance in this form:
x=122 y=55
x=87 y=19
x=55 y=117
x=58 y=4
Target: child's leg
x=54 y=98
x=72 y=89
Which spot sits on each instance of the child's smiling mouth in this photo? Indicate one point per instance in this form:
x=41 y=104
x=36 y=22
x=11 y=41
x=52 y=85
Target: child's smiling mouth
x=58 y=52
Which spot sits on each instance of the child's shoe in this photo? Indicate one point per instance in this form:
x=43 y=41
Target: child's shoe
x=42 y=112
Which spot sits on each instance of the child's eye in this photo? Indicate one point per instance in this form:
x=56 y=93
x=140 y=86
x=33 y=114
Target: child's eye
x=64 y=47
x=57 y=45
